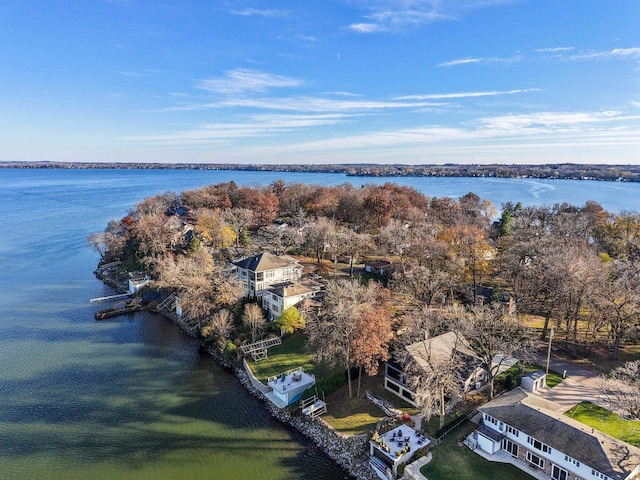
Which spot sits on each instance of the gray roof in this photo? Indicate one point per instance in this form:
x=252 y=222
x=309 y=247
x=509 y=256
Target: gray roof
x=539 y=419
x=266 y=261
x=291 y=289
x=439 y=349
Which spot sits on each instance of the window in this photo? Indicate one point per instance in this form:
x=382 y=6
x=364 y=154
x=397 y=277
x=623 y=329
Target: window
x=567 y=458
x=512 y=431
x=268 y=274
x=490 y=419
x=510 y=447
x=538 y=445
x=558 y=473
x=535 y=460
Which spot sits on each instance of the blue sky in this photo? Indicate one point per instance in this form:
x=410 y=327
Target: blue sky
x=321 y=81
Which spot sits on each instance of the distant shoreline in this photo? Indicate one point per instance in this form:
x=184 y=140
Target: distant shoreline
x=556 y=171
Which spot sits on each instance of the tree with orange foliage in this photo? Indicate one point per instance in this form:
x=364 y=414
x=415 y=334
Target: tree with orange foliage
x=354 y=327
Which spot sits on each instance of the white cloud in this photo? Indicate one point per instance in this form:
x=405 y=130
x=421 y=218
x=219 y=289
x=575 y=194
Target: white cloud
x=269 y=13
x=461 y=61
x=254 y=126
x=487 y=60
x=393 y=15
x=245 y=80
x=315 y=104
x=444 y=96
x=636 y=104
x=616 y=53
x=554 y=49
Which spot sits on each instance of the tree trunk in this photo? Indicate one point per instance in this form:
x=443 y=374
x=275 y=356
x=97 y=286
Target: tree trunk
x=349 y=380
x=351 y=266
x=359 y=381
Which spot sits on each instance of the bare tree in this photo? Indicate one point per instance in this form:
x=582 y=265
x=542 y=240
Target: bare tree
x=239 y=220
x=421 y=284
x=254 y=319
x=219 y=327
x=617 y=300
x=496 y=337
x=621 y=389
x=433 y=373
x=317 y=235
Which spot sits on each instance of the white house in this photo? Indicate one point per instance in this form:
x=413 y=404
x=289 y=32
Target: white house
x=537 y=436
x=265 y=269
x=279 y=297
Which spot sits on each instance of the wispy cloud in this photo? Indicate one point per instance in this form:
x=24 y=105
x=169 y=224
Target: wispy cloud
x=254 y=126
x=569 y=128
x=445 y=96
x=616 y=53
x=252 y=12
x=461 y=61
x=390 y=20
x=486 y=60
x=244 y=80
x=318 y=105
x=554 y=49
x=394 y=16
x=636 y=104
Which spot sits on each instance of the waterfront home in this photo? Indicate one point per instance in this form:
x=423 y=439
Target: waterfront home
x=288 y=387
x=389 y=450
x=260 y=271
x=531 y=432
x=430 y=353
x=277 y=298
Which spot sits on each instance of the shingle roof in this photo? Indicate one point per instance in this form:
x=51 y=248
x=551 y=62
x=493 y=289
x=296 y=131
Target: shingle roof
x=290 y=289
x=266 y=261
x=439 y=349
x=537 y=418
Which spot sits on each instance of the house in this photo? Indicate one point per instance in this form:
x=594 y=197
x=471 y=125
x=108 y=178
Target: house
x=378 y=267
x=533 y=434
x=265 y=269
x=281 y=296
x=137 y=282
x=437 y=349
x=434 y=351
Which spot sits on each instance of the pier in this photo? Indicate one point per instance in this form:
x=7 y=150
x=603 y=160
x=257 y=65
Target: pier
x=111 y=298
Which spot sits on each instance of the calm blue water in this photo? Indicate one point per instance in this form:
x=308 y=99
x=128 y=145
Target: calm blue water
x=132 y=398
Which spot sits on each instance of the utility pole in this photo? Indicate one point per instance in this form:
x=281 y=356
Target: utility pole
x=549 y=349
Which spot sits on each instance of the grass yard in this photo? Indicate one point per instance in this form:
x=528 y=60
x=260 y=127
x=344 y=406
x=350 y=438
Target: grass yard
x=452 y=462
x=359 y=415
x=290 y=354
x=607 y=422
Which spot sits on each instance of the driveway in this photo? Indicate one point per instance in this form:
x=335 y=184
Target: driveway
x=579 y=384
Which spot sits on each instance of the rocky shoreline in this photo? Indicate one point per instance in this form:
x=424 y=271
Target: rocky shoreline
x=349 y=452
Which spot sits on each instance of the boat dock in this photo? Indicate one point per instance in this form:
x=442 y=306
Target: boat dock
x=118 y=309
x=110 y=298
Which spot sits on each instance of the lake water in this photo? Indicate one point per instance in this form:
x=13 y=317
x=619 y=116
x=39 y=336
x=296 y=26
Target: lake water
x=132 y=398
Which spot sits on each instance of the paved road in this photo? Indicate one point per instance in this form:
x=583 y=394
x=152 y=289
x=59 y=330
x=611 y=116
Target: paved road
x=580 y=384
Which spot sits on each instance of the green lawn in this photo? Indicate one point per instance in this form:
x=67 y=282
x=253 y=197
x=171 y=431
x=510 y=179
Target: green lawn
x=451 y=462
x=291 y=354
x=607 y=422
x=355 y=416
